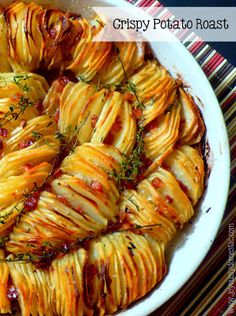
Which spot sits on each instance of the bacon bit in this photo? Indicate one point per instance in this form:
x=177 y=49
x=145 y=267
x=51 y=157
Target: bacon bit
x=27 y=166
x=62 y=199
x=57 y=173
x=113 y=226
x=94 y=119
x=64 y=80
x=31 y=202
x=137 y=113
x=23 y=123
x=96 y=186
x=12 y=293
x=91 y=270
x=47 y=261
x=141 y=176
x=85 y=243
x=3 y=132
x=47 y=187
x=128 y=184
x=16 y=97
x=169 y=199
x=156 y=182
x=109 y=139
x=26 y=143
x=129 y=97
x=153 y=124
x=146 y=162
x=117 y=126
x=79 y=210
x=39 y=107
x=165 y=166
x=183 y=187
x=108 y=279
x=57 y=116
x=61 y=83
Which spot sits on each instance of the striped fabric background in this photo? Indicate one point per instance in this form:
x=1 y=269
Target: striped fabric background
x=207 y=292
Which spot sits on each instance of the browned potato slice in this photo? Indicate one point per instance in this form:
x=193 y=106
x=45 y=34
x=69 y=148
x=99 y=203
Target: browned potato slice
x=124 y=129
x=25 y=52
x=14 y=188
x=155 y=88
x=160 y=140
x=73 y=99
x=89 y=56
x=168 y=188
x=186 y=164
x=137 y=211
x=125 y=266
x=35 y=130
x=107 y=117
x=191 y=127
x=131 y=57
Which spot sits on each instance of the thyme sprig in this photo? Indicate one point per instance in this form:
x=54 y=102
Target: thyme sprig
x=4 y=218
x=26 y=195
x=29 y=257
x=50 y=251
x=130 y=86
x=18 y=80
x=131 y=164
x=36 y=135
x=69 y=140
x=15 y=111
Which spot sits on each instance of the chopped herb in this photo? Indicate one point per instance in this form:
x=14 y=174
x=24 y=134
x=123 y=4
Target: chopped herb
x=36 y=135
x=82 y=78
x=18 y=81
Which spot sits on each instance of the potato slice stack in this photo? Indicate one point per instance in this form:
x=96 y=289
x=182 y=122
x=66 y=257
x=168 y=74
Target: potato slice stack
x=28 y=143
x=114 y=271
x=97 y=117
x=82 y=202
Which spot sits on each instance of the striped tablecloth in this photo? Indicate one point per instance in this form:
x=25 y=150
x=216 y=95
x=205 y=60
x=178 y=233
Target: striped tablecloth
x=210 y=290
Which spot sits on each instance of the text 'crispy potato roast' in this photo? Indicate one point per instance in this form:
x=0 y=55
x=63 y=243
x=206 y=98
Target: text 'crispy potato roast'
x=100 y=165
